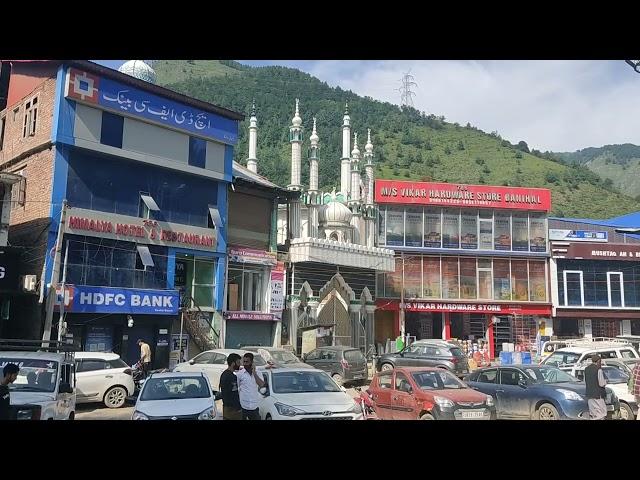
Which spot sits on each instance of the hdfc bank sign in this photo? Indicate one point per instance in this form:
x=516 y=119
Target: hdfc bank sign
x=132 y=229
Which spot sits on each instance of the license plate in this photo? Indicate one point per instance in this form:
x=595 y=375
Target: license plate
x=473 y=414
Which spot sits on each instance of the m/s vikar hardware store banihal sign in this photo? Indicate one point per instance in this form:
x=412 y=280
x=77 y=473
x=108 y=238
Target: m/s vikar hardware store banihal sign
x=140 y=230
x=85 y=299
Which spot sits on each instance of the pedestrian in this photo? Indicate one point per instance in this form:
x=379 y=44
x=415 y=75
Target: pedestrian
x=635 y=385
x=248 y=384
x=231 y=409
x=145 y=356
x=399 y=343
x=9 y=375
x=596 y=393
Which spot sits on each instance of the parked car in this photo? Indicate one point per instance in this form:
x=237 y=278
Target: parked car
x=427 y=394
x=213 y=362
x=567 y=358
x=634 y=340
x=624 y=364
x=305 y=394
x=176 y=396
x=44 y=389
x=537 y=392
x=431 y=353
x=279 y=357
x=103 y=377
x=617 y=380
x=344 y=364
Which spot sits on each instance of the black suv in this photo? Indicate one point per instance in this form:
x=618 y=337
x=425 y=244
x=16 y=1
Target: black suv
x=427 y=353
x=344 y=364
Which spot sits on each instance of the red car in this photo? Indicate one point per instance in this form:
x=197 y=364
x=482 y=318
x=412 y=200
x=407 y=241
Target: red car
x=427 y=394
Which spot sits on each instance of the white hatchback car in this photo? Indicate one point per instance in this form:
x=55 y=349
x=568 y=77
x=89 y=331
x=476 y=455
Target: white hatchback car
x=176 y=396
x=213 y=362
x=305 y=394
x=617 y=380
x=103 y=377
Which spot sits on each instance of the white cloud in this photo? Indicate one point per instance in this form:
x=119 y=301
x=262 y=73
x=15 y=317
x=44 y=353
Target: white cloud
x=552 y=105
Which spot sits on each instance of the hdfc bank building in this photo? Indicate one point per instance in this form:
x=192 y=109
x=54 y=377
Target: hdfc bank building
x=471 y=263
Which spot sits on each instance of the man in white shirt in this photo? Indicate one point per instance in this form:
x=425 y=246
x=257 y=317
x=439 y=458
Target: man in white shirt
x=249 y=382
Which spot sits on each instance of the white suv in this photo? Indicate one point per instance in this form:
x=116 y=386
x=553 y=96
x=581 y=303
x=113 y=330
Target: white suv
x=103 y=377
x=567 y=358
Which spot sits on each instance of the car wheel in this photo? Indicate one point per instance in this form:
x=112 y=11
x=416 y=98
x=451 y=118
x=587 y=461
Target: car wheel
x=72 y=416
x=268 y=417
x=547 y=412
x=427 y=416
x=626 y=413
x=338 y=379
x=115 y=397
x=386 y=366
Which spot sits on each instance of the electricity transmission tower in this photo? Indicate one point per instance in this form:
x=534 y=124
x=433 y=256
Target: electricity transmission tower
x=406 y=95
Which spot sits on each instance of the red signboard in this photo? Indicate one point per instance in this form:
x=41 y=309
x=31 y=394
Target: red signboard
x=457 y=195
x=461 y=307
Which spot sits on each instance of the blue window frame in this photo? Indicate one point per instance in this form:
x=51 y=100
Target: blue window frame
x=112 y=126
x=197 y=152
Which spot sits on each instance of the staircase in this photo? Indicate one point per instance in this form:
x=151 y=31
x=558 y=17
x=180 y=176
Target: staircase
x=198 y=324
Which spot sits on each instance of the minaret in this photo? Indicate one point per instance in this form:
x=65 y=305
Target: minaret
x=369 y=209
x=295 y=137
x=355 y=204
x=345 y=163
x=313 y=197
x=252 y=161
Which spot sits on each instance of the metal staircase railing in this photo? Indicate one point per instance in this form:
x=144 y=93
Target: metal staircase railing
x=198 y=325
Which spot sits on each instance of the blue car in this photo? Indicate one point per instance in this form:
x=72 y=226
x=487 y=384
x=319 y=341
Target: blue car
x=537 y=393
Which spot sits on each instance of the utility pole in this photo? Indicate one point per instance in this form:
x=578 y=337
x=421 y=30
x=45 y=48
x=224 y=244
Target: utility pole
x=402 y=329
x=64 y=295
x=51 y=296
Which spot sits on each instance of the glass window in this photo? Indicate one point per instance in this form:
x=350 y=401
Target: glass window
x=384 y=380
x=432 y=227
x=519 y=280
x=413 y=276
x=520 y=232
x=197 y=152
x=118 y=363
x=485 y=282
x=401 y=383
x=561 y=359
x=537 y=233
x=451 y=229
x=219 y=359
x=313 y=355
x=393 y=281
x=431 y=276
x=112 y=127
x=537 y=282
x=510 y=376
x=380 y=285
x=203 y=282
x=354 y=356
x=502 y=231
x=468 y=278
x=381 y=226
x=300 y=381
x=594 y=284
x=413 y=227
x=487 y=376
x=91 y=365
x=450 y=286
x=627 y=354
x=613 y=375
x=486 y=234
x=395 y=227
x=501 y=279
x=34 y=375
x=573 y=287
x=175 y=388
x=469 y=229
x=206 y=357
x=615 y=289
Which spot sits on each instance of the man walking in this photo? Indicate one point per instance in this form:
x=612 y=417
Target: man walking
x=596 y=393
x=231 y=409
x=635 y=385
x=9 y=375
x=248 y=384
x=145 y=356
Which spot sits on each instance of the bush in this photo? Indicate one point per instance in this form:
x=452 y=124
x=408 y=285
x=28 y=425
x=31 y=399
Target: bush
x=551 y=177
x=486 y=169
x=480 y=161
x=460 y=145
x=518 y=154
x=447 y=150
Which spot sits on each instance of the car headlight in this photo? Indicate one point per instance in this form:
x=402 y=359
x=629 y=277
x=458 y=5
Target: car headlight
x=443 y=402
x=355 y=409
x=287 y=411
x=489 y=401
x=570 y=394
x=208 y=414
x=139 y=416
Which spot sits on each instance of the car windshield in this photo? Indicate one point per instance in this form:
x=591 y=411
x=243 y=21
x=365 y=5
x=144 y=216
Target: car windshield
x=456 y=352
x=35 y=375
x=561 y=359
x=437 y=381
x=302 y=382
x=258 y=361
x=548 y=375
x=282 y=356
x=614 y=375
x=175 y=388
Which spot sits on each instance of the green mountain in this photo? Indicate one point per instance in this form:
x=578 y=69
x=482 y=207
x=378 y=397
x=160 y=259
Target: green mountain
x=618 y=165
x=408 y=144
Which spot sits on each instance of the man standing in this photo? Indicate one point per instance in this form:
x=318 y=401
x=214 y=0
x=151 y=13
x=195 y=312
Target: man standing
x=635 y=385
x=145 y=356
x=231 y=409
x=9 y=373
x=596 y=393
x=248 y=383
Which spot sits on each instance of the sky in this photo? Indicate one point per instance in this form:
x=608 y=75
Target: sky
x=552 y=105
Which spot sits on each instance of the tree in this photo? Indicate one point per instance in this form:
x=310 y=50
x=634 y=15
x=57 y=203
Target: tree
x=460 y=145
x=522 y=146
x=551 y=177
x=518 y=154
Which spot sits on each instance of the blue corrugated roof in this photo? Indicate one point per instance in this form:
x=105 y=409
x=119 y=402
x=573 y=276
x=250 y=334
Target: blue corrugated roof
x=630 y=220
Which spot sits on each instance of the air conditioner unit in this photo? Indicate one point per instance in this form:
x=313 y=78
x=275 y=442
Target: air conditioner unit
x=29 y=283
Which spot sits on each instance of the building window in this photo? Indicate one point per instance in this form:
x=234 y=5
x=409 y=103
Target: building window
x=469 y=229
x=537 y=281
x=246 y=288
x=204 y=282
x=16 y=111
x=197 y=152
x=30 y=118
x=450 y=277
x=433 y=227
x=519 y=280
x=485 y=279
x=3 y=122
x=147 y=205
x=573 y=288
x=112 y=128
x=615 y=287
x=451 y=229
x=502 y=231
x=395 y=227
x=501 y=279
x=413 y=230
x=485 y=230
x=19 y=191
x=468 y=278
x=431 y=269
x=413 y=276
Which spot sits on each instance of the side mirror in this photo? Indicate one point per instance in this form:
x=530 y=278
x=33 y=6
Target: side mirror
x=522 y=384
x=65 y=388
x=401 y=353
x=191 y=362
x=264 y=391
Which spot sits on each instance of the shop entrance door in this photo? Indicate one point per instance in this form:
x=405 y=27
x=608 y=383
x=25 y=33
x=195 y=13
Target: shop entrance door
x=133 y=349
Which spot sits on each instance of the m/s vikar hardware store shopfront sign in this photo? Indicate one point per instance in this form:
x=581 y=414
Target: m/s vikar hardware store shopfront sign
x=450 y=307
x=139 y=230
